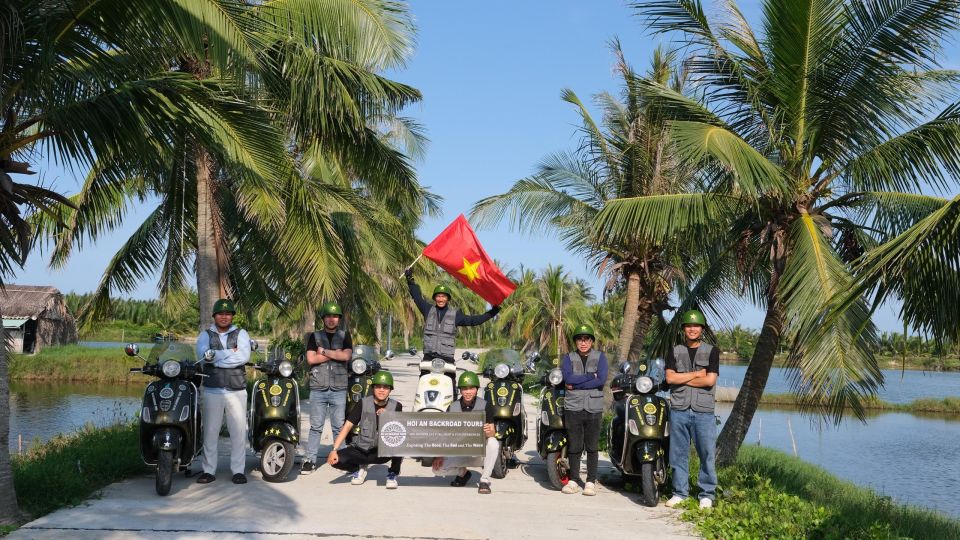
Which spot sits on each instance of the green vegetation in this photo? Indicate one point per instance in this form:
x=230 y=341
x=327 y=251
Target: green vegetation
x=768 y=494
x=950 y=405
x=75 y=363
x=68 y=469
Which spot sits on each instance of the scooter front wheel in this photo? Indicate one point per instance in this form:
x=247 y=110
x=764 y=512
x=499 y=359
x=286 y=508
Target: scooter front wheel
x=276 y=460
x=557 y=470
x=164 y=471
x=649 y=488
x=500 y=465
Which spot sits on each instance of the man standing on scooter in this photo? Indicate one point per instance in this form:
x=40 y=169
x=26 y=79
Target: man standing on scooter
x=362 y=451
x=327 y=355
x=224 y=391
x=691 y=372
x=440 y=320
x=584 y=374
x=469 y=385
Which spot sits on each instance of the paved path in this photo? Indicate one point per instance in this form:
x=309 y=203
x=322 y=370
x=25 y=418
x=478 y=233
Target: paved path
x=325 y=505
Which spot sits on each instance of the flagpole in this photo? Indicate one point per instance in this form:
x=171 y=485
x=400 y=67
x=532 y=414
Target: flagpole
x=411 y=265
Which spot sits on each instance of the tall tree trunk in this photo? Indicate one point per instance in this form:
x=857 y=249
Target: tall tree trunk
x=754 y=381
x=378 y=333
x=9 y=511
x=309 y=320
x=208 y=275
x=630 y=315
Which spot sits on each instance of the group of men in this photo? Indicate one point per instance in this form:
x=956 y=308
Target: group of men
x=691 y=372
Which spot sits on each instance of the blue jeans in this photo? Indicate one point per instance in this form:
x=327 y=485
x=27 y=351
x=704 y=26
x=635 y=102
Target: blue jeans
x=702 y=428
x=324 y=404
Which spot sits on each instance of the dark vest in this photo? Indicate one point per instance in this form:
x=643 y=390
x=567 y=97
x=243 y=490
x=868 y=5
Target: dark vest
x=479 y=406
x=439 y=335
x=230 y=378
x=684 y=397
x=367 y=439
x=330 y=375
x=584 y=400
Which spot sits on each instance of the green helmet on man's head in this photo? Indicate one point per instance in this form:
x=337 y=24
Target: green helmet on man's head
x=693 y=316
x=331 y=308
x=224 y=305
x=468 y=379
x=383 y=377
x=584 y=330
x=442 y=289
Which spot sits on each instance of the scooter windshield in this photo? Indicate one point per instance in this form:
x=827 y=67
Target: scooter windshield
x=365 y=352
x=171 y=350
x=491 y=358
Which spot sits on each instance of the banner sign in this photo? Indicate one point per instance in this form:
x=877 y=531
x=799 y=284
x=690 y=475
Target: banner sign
x=430 y=434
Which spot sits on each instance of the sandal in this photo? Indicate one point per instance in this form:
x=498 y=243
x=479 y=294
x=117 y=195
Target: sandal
x=484 y=488
x=461 y=481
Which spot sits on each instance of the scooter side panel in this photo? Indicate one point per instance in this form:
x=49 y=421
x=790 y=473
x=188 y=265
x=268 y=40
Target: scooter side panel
x=278 y=429
x=275 y=401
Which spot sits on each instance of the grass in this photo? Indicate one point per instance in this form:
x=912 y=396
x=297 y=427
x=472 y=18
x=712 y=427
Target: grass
x=769 y=494
x=76 y=363
x=947 y=406
x=68 y=469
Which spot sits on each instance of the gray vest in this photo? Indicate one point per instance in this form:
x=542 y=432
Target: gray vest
x=234 y=378
x=439 y=336
x=584 y=400
x=367 y=439
x=684 y=397
x=330 y=375
x=479 y=406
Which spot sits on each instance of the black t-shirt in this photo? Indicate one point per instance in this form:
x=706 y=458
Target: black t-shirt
x=670 y=362
x=356 y=412
x=312 y=344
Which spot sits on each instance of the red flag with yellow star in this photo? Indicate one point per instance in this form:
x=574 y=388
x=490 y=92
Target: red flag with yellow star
x=458 y=251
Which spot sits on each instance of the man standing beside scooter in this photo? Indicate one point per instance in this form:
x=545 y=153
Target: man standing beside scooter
x=691 y=372
x=584 y=373
x=469 y=385
x=362 y=451
x=224 y=391
x=440 y=320
x=328 y=352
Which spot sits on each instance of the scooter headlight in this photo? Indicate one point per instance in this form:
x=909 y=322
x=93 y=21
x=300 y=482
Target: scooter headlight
x=501 y=371
x=170 y=368
x=286 y=368
x=555 y=376
x=358 y=366
x=437 y=365
x=644 y=384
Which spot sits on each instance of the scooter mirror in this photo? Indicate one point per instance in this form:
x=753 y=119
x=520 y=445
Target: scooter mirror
x=132 y=349
x=412 y=351
x=659 y=364
x=625 y=367
x=209 y=355
x=389 y=354
x=254 y=346
x=465 y=355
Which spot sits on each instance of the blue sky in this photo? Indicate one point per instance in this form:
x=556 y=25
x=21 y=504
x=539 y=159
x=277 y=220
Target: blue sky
x=491 y=76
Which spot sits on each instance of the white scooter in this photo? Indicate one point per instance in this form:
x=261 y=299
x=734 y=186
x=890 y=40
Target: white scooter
x=435 y=392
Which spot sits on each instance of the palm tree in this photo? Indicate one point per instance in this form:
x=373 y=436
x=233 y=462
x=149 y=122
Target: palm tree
x=627 y=155
x=836 y=102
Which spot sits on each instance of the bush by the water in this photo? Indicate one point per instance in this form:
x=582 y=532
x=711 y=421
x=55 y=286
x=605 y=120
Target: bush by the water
x=75 y=363
x=68 y=469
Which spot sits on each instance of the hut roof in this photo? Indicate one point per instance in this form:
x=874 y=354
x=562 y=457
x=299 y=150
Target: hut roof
x=25 y=301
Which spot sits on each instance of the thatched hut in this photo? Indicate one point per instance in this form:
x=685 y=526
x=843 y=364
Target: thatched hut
x=34 y=316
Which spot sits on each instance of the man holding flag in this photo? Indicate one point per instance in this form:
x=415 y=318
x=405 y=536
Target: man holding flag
x=457 y=251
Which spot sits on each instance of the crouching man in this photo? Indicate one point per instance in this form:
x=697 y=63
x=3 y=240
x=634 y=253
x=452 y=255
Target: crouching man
x=362 y=451
x=469 y=385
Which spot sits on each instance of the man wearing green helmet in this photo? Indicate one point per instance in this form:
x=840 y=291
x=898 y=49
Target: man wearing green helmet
x=469 y=385
x=584 y=374
x=440 y=320
x=224 y=391
x=328 y=352
x=691 y=371
x=362 y=450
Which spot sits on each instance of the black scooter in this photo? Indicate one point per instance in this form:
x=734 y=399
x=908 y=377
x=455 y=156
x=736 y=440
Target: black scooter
x=551 y=432
x=505 y=393
x=360 y=382
x=274 y=422
x=638 y=435
x=171 y=434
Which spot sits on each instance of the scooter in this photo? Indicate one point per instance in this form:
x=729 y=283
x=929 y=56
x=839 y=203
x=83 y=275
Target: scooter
x=360 y=383
x=435 y=391
x=639 y=433
x=551 y=432
x=505 y=392
x=274 y=421
x=171 y=434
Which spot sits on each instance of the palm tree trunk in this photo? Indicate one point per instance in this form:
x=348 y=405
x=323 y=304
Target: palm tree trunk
x=212 y=279
x=754 y=381
x=630 y=314
x=378 y=333
x=9 y=511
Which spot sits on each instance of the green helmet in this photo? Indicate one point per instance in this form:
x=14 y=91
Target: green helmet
x=224 y=305
x=330 y=308
x=468 y=379
x=584 y=330
x=694 y=316
x=442 y=289
x=383 y=377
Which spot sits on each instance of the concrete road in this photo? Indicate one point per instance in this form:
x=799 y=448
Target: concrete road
x=324 y=504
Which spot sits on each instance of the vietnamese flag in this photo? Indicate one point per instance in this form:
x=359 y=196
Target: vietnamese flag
x=458 y=251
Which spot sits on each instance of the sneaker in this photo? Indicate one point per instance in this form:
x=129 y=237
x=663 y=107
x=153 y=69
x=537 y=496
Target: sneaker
x=307 y=467
x=239 y=478
x=571 y=488
x=589 y=489
x=706 y=503
x=675 y=500
x=358 y=476
x=206 y=478
x=392 y=481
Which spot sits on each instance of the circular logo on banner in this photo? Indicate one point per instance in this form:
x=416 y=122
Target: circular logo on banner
x=650 y=408
x=502 y=391
x=393 y=434
x=275 y=390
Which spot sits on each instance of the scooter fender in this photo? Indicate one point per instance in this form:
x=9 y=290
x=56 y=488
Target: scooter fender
x=647 y=451
x=275 y=430
x=167 y=439
x=505 y=429
x=555 y=441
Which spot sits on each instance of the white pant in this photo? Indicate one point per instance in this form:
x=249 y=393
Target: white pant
x=235 y=406
x=457 y=465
